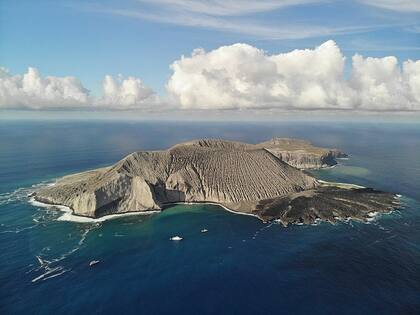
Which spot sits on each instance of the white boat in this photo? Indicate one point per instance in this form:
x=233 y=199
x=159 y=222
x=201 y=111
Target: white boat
x=204 y=230
x=93 y=262
x=176 y=238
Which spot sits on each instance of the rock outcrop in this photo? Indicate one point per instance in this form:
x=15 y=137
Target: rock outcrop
x=326 y=203
x=243 y=177
x=301 y=153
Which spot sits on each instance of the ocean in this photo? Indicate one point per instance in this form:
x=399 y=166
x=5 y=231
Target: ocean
x=240 y=265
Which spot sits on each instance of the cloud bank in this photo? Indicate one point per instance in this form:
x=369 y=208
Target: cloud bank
x=236 y=77
x=241 y=76
x=126 y=93
x=33 y=91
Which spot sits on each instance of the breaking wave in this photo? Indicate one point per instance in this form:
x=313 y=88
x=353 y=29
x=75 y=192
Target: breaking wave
x=22 y=194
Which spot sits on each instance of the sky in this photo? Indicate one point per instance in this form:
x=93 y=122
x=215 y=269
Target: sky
x=171 y=56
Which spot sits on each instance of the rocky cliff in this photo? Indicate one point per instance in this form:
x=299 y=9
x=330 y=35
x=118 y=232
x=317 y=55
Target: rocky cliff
x=301 y=153
x=243 y=177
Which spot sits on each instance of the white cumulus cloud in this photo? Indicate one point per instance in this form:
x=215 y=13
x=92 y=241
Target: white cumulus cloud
x=33 y=91
x=238 y=76
x=381 y=84
x=242 y=76
x=125 y=93
x=30 y=90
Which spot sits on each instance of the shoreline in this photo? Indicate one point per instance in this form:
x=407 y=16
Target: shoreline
x=69 y=215
x=338 y=184
x=213 y=204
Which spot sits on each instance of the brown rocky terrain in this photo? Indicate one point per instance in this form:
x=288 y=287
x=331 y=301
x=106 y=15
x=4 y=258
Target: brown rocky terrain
x=301 y=153
x=244 y=177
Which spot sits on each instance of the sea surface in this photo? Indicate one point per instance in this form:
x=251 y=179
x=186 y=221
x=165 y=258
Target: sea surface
x=240 y=266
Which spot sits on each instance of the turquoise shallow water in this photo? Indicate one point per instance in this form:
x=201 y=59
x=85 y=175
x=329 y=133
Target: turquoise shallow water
x=240 y=266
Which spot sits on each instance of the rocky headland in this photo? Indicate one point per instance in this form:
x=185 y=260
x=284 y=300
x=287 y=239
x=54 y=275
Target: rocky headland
x=259 y=179
x=301 y=153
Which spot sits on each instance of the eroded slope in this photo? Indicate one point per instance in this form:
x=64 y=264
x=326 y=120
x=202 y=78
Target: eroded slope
x=216 y=171
x=243 y=177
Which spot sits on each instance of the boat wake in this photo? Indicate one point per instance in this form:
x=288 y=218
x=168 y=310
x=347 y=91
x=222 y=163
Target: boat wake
x=48 y=265
x=48 y=270
x=54 y=267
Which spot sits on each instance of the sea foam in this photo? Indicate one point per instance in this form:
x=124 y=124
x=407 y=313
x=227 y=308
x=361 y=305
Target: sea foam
x=67 y=213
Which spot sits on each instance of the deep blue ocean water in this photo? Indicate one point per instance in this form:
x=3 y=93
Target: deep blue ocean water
x=240 y=266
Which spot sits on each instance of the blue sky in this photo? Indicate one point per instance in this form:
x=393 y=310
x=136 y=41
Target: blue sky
x=87 y=40
x=142 y=38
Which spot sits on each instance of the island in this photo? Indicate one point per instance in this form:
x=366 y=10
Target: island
x=265 y=180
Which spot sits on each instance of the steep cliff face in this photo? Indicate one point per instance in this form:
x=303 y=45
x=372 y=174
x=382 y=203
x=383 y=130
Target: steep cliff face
x=301 y=153
x=205 y=170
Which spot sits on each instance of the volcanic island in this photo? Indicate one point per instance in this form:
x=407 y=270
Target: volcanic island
x=268 y=180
